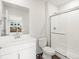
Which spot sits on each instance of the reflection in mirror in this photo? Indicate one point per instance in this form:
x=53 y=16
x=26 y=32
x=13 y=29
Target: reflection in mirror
x=16 y=19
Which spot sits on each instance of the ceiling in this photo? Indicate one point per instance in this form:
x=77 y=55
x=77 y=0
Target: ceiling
x=59 y=3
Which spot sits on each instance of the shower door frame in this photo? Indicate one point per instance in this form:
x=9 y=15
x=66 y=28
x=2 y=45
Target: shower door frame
x=60 y=13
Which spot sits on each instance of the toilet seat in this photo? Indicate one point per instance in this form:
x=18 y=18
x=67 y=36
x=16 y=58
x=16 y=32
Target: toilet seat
x=49 y=51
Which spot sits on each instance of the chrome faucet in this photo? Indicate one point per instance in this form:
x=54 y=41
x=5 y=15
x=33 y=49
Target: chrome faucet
x=17 y=35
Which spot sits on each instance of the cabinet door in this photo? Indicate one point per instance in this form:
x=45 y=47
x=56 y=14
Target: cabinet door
x=10 y=56
x=29 y=53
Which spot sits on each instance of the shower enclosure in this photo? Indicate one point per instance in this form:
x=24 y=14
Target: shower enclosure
x=64 y=33
x=58 y=33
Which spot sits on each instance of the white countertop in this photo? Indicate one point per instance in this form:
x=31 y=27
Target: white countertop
x=15 y=44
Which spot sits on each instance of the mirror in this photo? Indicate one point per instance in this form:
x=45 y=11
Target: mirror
x=15 y=19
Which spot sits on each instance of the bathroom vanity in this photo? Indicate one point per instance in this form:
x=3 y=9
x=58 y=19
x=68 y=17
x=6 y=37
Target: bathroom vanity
x=15 y=43
x=20 y=48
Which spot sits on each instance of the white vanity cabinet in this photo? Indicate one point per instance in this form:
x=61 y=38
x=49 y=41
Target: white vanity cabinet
x=22 y=51
x=10 y=56
x=28 y=54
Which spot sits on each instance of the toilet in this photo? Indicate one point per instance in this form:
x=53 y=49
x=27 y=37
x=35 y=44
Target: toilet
x=47 y=51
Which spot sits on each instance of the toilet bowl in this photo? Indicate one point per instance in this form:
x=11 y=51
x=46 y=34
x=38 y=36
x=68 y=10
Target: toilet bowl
x=47 y=51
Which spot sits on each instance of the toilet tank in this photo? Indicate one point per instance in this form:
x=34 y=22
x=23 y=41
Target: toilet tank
x=42 y=42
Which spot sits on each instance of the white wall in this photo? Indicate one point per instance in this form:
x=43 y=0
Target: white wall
x=0 y=16
x=0 y=9
x=70 y=5
x=37 y=14
x=51 y=10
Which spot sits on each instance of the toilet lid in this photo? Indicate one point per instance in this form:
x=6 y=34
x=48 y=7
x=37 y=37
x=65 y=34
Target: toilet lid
x=49 y=50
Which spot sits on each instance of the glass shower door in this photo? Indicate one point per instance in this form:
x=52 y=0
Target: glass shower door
x=58 y=33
